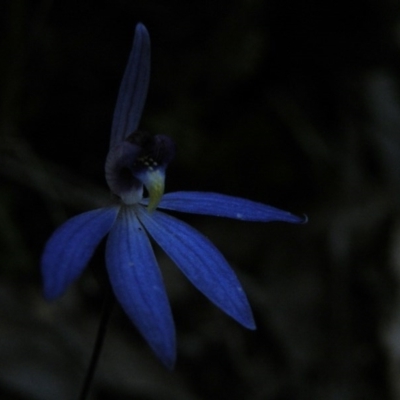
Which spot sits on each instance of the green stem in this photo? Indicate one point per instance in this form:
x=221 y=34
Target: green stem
x=101 y=332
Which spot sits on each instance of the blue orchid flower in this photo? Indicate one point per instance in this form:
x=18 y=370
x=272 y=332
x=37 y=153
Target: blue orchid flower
x=137 y=161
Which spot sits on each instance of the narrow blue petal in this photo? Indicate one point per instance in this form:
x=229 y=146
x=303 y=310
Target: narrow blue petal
x=221 y=205
x=201 y=262
x=133 y=90
x=138 y=285
x=71 y=246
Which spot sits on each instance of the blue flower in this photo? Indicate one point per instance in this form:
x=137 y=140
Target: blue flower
x=136 y=162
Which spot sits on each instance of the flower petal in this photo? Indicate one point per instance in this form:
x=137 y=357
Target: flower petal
x=201 y=262
x=138 y=286
x=133 y=90
x=71 y=246
x=221 y=205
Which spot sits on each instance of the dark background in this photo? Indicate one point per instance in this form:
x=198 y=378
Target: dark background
x=295 y=104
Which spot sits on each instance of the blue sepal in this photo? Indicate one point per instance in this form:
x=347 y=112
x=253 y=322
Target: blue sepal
x=221 y=205
x=201 y=262
x=69 y=249
x=133 y=89
x=138 y=285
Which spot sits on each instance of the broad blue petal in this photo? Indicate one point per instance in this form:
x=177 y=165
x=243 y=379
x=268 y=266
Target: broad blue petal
x=201 y=262
x=133 y=90
x=138 y=285
x=71 y=246
x=221 y=205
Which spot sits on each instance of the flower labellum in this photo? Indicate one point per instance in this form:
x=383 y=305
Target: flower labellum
x=140 y=160
x=136 y=164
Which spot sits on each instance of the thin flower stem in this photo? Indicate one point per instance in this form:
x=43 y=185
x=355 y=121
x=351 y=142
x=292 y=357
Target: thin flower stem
x=101 y=332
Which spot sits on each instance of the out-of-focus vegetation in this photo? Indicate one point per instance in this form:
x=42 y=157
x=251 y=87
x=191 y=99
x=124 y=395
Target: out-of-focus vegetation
x=295 y=104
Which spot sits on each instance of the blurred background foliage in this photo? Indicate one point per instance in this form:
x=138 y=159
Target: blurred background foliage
x=295 y=104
